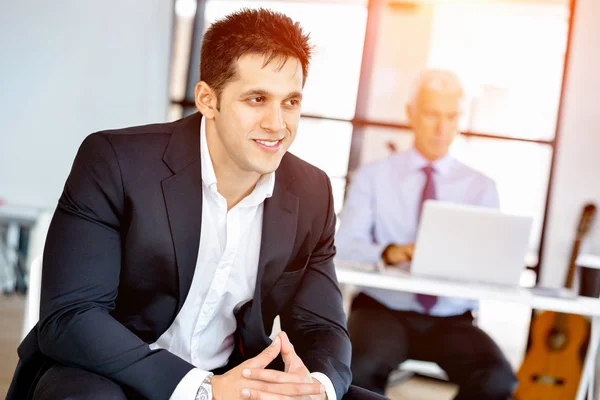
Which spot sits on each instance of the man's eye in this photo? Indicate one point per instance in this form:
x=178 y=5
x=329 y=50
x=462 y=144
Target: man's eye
x=257 y=100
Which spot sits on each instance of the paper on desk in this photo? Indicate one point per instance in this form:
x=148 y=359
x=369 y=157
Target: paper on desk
x=562 y=293
x=402 y=269
x=394 y=270
x=355 y=265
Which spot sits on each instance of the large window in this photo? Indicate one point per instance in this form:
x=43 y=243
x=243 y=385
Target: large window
x=510 y=56
x=509 y=53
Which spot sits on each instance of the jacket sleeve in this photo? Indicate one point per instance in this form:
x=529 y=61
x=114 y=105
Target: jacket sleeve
x=315 y=320
x=80 y=281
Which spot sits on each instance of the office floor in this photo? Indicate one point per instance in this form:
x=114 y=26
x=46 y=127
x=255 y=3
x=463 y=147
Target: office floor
x=11 y=315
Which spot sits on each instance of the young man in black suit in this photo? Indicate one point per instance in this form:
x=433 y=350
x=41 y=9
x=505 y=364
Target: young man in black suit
x=174 y=246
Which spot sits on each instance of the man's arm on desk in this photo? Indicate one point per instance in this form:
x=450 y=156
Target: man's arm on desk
x=354 y=239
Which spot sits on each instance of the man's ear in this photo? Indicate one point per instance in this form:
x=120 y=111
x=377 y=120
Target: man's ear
x=206 y=100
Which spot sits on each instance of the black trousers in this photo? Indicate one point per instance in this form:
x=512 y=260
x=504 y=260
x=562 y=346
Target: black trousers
x=60 y=383
x=383 y=338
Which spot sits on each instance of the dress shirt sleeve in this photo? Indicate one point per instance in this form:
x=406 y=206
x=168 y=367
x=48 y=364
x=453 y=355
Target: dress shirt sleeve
x=354 y=239
x=488 y=197
x=325 y=381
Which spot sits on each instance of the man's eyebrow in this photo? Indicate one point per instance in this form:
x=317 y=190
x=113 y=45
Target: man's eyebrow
x=294 y=95
x=256 y=92
x=261 y=92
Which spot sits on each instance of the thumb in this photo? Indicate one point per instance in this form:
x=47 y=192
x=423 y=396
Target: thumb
x=266 y=356
x=290 y=358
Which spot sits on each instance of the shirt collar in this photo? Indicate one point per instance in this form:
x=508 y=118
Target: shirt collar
x=416 y=161
x=263 y=189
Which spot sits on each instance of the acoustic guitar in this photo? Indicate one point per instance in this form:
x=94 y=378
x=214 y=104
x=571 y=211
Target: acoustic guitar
x=552 y=367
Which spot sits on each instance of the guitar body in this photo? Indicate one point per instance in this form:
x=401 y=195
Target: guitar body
x=552 y=367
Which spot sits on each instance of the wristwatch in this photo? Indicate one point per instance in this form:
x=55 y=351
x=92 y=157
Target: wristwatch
x=205 y=390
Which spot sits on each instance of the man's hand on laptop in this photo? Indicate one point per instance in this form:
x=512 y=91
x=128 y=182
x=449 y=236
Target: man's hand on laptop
x=251 y=381
x=397 y=254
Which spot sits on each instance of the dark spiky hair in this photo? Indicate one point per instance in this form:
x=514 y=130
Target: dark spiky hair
x=258 y=31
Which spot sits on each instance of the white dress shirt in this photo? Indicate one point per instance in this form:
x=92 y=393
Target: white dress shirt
x=382 y=208
x=225 y=275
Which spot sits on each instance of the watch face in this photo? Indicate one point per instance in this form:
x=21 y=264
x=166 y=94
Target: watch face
x=203 y=394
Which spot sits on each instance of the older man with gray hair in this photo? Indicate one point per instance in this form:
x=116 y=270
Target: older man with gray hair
x=379 y=224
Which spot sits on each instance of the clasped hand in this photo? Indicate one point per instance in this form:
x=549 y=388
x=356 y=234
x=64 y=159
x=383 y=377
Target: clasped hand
x=250 y=379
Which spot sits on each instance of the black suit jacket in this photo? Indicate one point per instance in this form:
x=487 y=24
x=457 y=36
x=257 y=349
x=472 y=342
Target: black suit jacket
x=121 y=253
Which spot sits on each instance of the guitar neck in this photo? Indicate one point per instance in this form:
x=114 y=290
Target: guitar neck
x=572 y=263
x=559 y=319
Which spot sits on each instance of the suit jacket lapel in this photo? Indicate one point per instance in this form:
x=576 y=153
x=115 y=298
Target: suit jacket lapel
x=183 y=198
x=280 y=219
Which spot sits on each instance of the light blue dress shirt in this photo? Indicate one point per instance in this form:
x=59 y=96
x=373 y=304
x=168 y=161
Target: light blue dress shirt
x=382 y=208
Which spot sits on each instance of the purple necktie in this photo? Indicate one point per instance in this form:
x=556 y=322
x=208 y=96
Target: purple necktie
x=427 y=301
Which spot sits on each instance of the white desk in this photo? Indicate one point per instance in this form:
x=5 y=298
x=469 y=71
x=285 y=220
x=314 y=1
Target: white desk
x=589 y=260
x=17 y=214
x=405 y=282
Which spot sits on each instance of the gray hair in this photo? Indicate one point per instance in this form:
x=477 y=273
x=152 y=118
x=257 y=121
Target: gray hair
x=438 y=80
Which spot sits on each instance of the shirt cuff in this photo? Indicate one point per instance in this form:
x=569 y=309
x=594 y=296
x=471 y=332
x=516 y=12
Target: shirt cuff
x=378 y=250
x=325 y=381
x=189 y=385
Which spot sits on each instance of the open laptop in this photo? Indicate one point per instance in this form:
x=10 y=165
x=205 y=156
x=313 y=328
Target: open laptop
x=469 y=243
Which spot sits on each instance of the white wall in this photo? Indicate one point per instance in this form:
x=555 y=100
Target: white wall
x=577 y=170
x=69 y=68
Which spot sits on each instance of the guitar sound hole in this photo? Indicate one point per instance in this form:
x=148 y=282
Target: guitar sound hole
x=557 y=340
x=548 y=380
